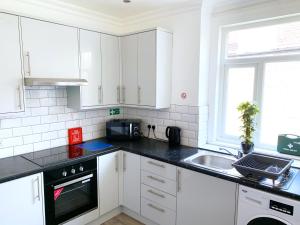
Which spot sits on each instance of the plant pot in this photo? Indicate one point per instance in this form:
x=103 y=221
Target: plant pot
x=247 y=148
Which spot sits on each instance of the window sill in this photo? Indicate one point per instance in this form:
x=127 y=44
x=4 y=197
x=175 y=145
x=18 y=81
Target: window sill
x=216 y=147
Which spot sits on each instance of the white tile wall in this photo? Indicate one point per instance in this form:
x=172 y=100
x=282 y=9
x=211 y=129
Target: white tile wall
x=191 y=119
x=45 y=122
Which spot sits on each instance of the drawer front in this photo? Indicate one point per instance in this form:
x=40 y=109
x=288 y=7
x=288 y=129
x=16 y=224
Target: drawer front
x=157 y=213
x=159 y=182
x=162 y=198
x=160 y=168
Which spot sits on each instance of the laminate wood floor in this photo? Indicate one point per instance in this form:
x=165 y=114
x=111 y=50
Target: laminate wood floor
x=122 y=219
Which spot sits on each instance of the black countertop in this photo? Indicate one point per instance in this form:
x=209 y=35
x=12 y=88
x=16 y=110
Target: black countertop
x=16 y=167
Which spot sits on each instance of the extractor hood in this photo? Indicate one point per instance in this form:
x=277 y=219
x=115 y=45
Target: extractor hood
x=54 y=82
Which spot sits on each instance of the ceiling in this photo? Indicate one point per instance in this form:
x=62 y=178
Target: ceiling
x=119 y=9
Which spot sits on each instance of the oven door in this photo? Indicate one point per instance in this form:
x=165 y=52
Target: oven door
x=71 y=198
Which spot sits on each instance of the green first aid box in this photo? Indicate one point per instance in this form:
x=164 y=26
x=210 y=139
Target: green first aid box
x=289 y=144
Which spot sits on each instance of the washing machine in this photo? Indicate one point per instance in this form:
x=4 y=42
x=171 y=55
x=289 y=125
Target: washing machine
x=257 y=207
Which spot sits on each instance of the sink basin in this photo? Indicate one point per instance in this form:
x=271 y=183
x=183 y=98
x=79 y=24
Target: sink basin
x=213 y=160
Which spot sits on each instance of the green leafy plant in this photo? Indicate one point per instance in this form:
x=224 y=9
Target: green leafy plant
x=248 y=111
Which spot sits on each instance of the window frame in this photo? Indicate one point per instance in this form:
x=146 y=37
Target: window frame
x=216 y=133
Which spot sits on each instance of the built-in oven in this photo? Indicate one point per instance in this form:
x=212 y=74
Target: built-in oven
x=70 y=191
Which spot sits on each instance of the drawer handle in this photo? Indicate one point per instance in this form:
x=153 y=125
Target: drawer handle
x=156 y=164
x=157 y=194
x=156 y=208
x=156 y=179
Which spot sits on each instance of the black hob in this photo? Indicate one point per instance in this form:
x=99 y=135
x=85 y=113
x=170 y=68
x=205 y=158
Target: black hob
x=61 y=155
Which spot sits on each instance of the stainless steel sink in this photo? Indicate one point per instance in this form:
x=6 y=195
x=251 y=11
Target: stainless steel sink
x=214 y=161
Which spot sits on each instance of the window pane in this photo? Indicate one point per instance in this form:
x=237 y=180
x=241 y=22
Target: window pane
x=280 y=113
x=240 y=86
x=265 y=39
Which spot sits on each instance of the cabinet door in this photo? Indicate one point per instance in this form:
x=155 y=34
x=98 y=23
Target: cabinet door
x=50 y=50
x=11 y=85
x=202 y=199
x=22 y=201
x=108 y=182
x=147 y=68
x=90 y=68
x=110 y=69
x=130 y=70
x=132 y=181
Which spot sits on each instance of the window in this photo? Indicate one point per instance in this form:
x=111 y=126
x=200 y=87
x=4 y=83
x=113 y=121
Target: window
x=260 y=63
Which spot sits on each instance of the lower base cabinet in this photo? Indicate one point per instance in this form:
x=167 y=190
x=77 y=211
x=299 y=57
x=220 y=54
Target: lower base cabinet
x=203 y=199
x=22 y=201
x=108 y=177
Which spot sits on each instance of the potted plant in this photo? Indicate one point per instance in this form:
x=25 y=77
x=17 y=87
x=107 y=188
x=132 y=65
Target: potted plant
x=248 y=111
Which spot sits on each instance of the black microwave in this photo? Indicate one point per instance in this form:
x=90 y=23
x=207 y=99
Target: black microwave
x=123 y=129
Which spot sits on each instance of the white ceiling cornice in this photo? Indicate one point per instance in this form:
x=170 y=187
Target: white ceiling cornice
x=163 y=12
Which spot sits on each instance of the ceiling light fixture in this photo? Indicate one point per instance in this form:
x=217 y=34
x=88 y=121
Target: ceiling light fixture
x=126 y=1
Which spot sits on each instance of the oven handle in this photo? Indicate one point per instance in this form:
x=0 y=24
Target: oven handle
x=73 y=181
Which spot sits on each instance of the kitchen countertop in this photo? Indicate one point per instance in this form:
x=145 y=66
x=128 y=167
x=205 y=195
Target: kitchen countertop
x=17 y=166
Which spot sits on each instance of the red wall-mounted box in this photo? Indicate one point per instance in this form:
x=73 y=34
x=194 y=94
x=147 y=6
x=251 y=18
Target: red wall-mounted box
x=75 y=135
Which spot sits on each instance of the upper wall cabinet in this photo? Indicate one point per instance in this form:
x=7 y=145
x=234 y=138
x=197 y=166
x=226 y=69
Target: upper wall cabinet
x=146 y=69
x=49 y=50
x=110 y=50
x=11 y=84
x=99 y=64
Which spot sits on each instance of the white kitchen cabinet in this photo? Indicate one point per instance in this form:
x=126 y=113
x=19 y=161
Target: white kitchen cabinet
x=129 y=46
x=100 y=65
x=132 y=182
x=22 y=201
x=110 y=50
x=147 y=63
x=11 y=85
x=203 y=199
x=49 y=50
x=108 y=173
x=90 y=96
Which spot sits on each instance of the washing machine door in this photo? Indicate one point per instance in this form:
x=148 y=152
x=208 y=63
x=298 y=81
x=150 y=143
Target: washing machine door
x=267 y=221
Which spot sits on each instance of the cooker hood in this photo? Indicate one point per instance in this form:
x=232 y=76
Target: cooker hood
x=54 y=82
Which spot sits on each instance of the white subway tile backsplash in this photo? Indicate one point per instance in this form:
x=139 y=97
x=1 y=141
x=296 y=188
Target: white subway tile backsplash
x=29 y=121
x=10 y=123
x=48 y=101
x=41 y=145
x=47 y=119
x=32 y=138
x=57 y=126
x=5 y=133
x=23 y=149
x=41 y=111
x=20 y=131
x=6 y=152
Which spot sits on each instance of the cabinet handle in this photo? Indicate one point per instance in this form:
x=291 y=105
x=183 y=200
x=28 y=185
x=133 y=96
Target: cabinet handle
x=139 y=95
x=118 y=94
x=157 y=194
x=123 y=94
x=156 y=208
x=116 y=161
x=156 y=164
x=178 y=180
x=124 y=162
x=28 y=62
x=38 y=196
x=254 y=200
x=100 y=94
x=156 y=179
x=20 y=96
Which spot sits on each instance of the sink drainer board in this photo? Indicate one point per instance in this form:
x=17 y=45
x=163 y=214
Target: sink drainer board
x=262 y=166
